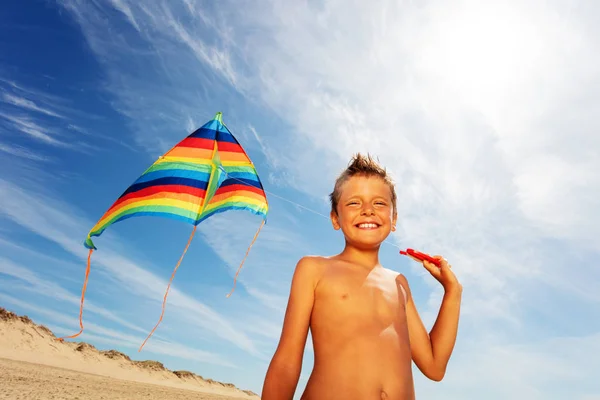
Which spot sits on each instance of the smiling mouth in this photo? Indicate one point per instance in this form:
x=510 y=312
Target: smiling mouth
x=367 y=225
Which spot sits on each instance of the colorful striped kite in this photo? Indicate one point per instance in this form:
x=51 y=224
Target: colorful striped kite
x=206 y=173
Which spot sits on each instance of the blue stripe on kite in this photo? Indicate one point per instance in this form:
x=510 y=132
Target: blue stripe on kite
x=207 y=131
x=213 y=125
x=199 y=184
x=203 y=133
x=226 y=136
x=175 y=173
x=214 y=130
x=211 y=135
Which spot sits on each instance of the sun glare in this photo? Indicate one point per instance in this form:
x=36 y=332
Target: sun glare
x=483 y=52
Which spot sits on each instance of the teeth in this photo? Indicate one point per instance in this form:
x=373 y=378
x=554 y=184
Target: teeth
x=367 y=226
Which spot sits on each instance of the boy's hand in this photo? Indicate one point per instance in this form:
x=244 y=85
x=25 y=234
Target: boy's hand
x=443 y=274
x=431 y=351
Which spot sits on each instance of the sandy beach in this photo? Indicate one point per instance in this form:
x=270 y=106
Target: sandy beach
x=34 y=365
x=22 y=380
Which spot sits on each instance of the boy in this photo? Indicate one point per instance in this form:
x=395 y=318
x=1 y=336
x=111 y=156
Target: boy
x=364 y=324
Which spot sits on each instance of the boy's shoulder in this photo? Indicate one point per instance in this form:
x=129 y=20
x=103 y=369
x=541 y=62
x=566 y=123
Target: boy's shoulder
x=312 y=261
x=319 y=264
x=315 y=266
x=311 y=265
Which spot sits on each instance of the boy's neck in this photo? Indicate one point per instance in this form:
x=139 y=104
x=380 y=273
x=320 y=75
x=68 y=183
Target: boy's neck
x=367 y=258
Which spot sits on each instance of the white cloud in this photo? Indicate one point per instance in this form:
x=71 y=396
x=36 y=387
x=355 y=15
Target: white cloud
x=557 y=368
x=124 y=8
x=28 y=104
x=31 y=128
x=23 y=152
x=41 y=103
x=42 y=117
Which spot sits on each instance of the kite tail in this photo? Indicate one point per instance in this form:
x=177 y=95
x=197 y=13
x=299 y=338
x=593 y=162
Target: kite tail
x=247 y=251
x=87 y=274
x=169 y=286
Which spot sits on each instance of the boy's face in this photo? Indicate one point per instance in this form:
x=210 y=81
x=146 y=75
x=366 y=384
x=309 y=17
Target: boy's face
x=365 y=212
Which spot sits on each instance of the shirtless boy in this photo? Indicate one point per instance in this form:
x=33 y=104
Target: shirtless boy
x=364 y=324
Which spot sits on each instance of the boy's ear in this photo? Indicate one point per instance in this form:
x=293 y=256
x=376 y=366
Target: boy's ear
x=335 y=220
x=394 y=220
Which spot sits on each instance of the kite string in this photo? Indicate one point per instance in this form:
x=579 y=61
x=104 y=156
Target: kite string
x=169 y=286
x=247 y=251
x=83 y=289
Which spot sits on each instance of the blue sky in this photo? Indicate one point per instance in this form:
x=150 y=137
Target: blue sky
x=485 y=116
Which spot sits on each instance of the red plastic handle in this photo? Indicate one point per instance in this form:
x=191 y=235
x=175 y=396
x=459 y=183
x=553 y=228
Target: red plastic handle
x=420 y=256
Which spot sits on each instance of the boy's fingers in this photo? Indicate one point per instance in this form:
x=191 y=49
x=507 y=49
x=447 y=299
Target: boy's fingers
x=443 y=261
x=429 y=266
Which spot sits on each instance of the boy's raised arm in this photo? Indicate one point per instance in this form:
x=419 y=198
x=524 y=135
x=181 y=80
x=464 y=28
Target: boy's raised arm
x=431 y=351
x=284 y=371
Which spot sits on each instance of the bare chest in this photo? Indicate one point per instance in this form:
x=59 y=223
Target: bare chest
x=349 y=301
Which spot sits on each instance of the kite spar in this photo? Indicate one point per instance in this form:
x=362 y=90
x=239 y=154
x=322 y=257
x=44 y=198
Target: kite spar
x=206 y=173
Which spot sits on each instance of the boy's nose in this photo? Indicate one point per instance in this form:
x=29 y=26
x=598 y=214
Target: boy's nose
x=367 y=211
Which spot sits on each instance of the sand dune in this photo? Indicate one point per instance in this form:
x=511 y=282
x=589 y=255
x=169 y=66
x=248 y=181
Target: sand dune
x=34 y=365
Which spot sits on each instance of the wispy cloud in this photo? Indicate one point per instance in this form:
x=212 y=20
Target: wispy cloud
x=23 y=97
x=22 y=152
x=35 y=122
x=48 y=119
x=213 y=56
x=28 y=104
x=124 y=8
x=29 y=127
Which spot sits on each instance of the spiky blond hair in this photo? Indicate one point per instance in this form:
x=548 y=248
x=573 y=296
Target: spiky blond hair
x=361 y=165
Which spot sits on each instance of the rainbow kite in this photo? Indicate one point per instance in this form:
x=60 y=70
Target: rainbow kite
x=206 y=173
